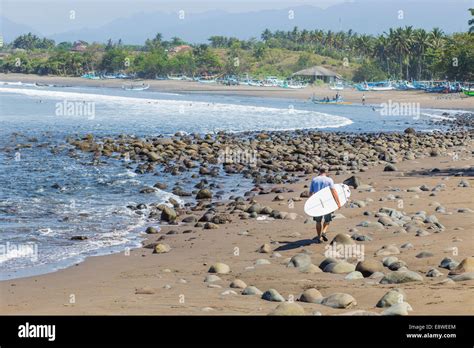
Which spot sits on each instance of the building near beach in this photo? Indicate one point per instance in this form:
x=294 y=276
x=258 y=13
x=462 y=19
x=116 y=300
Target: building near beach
x=318 y=72
x=79 y=46
x=180 y=48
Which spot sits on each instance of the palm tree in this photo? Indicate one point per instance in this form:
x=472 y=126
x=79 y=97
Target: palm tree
x=382 y=50
x=266 y=35
x=437 y=38
x=471 y=21
x=401 y=42
x=364 y=44
x=421 y=43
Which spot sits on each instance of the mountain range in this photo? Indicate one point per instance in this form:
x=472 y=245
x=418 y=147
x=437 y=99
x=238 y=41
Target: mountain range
x=362 y=16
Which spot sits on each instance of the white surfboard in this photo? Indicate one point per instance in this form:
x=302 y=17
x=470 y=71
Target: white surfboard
x=322 y=202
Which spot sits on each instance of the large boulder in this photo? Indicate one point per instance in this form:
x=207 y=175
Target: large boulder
x=300 y=260
x=238 y=284
x=273 y=295
x=339 y=300
x=466 y=265
x=161 y=248
x=398 y=309
x=392 y=297
x=168 y=214
x=204 y=194
x=387 y=250
x=367 y=267
x=340 y=267
x=399 y=277
x=311 y=296
x=342 y=238
x=288 y=308
x=353 y=181
x=252 y=290
x=219 y=268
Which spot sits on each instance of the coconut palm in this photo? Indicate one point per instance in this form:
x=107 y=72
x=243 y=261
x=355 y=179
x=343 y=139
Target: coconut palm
x=401 y=42
x=471 y=21
x=421 y=43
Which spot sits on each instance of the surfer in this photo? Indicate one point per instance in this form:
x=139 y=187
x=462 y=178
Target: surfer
x=317 y=184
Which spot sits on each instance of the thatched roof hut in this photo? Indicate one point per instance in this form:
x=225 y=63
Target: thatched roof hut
x=318 y=73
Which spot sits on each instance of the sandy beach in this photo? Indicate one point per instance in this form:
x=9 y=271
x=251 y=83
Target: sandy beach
x=425 y=100
x=258 y=252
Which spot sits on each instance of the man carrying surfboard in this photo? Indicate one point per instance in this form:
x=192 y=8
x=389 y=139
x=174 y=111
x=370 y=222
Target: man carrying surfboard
x=317 y=184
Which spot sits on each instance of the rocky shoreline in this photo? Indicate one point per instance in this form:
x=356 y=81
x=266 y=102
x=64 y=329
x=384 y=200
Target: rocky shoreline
x=268 y=158
x=399 y=271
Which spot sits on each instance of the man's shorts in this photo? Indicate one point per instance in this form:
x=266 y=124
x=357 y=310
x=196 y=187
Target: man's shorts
x=327 y=218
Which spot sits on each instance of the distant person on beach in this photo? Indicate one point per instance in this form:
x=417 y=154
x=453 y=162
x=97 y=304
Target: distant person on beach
x=363 y=99
x=317 y=184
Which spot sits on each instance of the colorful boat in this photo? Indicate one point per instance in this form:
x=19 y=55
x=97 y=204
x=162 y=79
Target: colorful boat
x=375 y=86
x=468 y=92
x=338 y=101
x=90 y=76
x=292 y=85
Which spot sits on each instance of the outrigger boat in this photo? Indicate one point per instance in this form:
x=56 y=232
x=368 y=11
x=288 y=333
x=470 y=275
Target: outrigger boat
x=90 y=76
x=375 y=86
x=337 y=101
x=206 y=81
x=469 y=92
x=136 y=88
x=337 y=86
x=177 y=77
x=293 y=85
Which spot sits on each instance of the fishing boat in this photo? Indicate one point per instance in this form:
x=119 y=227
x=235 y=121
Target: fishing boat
x=142 y=87
x=437 y=88
x=363 y=87
x=91 y=76
x=293 y=85
x=337 y=86
x=332 y=102
x=375 y=86
x=255 y=83
x=382 y=86
x=337 y=101
x=177 y=77
x=405 y=86
x=271 y=81
x=204 y=80
x=469 y=92
x=110 y=77
x=229 y=81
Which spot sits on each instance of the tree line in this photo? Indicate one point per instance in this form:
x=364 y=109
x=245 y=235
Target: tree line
x=400 y=53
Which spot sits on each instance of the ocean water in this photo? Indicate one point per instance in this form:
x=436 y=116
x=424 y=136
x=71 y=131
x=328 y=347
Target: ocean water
x=47 y=197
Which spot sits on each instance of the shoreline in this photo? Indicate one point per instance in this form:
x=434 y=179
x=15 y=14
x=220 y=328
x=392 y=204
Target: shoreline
x=147 y=283
x=425 y=100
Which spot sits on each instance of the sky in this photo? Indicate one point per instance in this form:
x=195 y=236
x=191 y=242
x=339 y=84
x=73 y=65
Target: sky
x=52 y=16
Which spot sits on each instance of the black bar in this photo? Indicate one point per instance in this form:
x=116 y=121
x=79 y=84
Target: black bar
x=171 y=330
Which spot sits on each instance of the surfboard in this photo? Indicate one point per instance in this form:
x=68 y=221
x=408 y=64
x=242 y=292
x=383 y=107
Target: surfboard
x=322 y=202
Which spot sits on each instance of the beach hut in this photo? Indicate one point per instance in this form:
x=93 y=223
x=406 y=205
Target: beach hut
x=79 y=46
x=318 y=73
